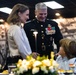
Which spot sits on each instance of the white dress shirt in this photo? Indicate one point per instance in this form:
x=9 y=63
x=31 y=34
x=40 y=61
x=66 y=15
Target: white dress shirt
x=63 y=62
x=73 y=61
x=18 y=41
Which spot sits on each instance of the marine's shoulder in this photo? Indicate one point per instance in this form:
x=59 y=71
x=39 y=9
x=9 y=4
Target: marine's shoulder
x=51 y=20
x=30 y=21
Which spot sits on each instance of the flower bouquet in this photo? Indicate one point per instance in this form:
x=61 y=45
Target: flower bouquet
x=39 y=66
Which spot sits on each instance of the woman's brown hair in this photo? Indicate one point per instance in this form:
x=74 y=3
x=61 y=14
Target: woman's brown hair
x=13 y=17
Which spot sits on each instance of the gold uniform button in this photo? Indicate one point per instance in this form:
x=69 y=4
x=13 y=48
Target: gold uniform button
x=42 y=31
x=42 y=37
x=42 y=43
x=41 y=25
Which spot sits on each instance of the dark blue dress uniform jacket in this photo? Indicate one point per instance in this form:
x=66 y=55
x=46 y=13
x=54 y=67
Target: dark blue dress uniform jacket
x=47 y=32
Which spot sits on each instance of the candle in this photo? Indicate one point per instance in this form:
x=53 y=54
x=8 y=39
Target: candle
x=52 y=55
x=35 y=33
x=52 y=58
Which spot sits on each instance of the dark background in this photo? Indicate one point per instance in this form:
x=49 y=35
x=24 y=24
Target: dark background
x=68 y=12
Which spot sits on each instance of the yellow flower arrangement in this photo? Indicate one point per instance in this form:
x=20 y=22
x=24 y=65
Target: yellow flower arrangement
x=41 y=65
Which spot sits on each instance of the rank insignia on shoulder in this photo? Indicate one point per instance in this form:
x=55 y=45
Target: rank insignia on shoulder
x=50 y=30
x=32 y=30
x=28 y=21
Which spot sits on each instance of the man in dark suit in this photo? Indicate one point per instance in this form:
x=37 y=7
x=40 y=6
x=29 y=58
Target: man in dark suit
x=41 y=32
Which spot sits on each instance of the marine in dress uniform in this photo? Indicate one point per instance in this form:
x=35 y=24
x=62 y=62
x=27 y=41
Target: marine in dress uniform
x=47 y=32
